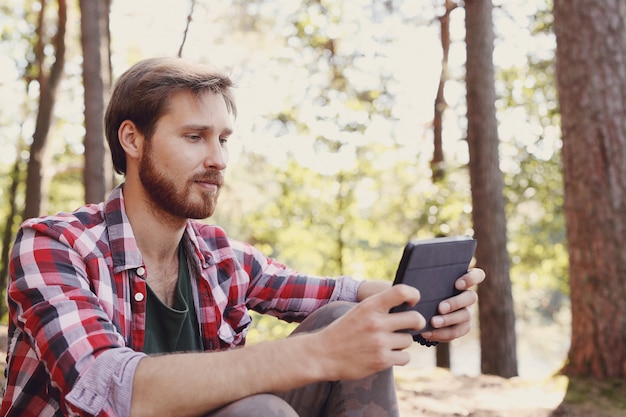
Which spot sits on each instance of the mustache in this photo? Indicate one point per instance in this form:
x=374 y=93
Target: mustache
x=211 y=177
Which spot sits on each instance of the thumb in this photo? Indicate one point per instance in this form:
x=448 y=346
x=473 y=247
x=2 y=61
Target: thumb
x=393 y=297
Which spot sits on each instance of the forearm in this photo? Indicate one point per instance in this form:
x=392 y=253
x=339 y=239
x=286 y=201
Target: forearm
x=192 y=384
x=369 y=288
x=363 y=341
x=291 y=296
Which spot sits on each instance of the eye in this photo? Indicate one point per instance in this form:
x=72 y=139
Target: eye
x=193 y=137
x=223 y=140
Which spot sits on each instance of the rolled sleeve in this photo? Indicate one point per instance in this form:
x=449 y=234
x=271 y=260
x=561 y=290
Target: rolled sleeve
x=107 y=385
x=346 y=289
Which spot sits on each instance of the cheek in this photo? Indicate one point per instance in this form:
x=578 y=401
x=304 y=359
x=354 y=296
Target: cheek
x=178 y=159
x=168 y=166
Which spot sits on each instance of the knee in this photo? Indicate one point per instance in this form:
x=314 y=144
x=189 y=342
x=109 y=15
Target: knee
x=325 y=315
x=261 y=405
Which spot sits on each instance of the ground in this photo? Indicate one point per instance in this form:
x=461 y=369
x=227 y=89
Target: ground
x=439 y=393
x=540 y=391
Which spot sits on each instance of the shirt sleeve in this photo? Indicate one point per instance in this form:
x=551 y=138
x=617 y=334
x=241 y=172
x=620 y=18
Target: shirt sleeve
x=54 y=305
x=107 y=385
x=346 y=289
x=287 y=294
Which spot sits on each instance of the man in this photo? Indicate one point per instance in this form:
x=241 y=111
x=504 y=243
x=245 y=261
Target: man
x=114 y=307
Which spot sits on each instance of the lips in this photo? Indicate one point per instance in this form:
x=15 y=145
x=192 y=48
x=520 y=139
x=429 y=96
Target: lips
x=214 y=179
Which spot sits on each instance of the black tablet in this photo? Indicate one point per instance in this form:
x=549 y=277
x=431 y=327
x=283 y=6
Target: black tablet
x=432 y=266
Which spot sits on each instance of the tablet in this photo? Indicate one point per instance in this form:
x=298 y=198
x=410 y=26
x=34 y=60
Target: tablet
x=432 y=266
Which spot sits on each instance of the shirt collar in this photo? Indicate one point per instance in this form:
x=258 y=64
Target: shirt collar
x=124 y=250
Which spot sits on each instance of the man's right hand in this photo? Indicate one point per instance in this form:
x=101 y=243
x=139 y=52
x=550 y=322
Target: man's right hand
x=367 y=338
x=362 y=342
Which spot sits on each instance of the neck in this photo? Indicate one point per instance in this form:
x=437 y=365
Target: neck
x=157 y=232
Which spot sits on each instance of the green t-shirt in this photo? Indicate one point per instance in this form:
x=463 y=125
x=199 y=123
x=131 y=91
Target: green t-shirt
x=173 y=329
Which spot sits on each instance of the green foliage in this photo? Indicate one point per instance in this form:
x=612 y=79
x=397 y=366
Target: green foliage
x=531 y=161
x=67 y=192
x=317 y=224
x=267 y=328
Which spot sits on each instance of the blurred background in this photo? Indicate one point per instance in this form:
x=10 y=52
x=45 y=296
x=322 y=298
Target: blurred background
x=351 y=136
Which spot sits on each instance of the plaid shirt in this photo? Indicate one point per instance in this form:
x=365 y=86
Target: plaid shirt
x=77 y=303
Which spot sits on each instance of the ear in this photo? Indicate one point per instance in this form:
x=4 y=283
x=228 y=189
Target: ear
x=130 y=139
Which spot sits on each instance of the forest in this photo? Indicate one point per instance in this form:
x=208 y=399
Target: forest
x=362 y=125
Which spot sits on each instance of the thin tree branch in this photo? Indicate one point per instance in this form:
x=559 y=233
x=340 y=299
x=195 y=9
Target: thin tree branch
x=189 y=18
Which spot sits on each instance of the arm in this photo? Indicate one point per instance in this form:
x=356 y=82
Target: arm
x=283 y=292
x=360 y=343
x=60 y=331
x=369 y=288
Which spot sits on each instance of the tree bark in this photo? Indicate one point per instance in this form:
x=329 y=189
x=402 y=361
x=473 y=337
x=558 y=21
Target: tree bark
x=95 y=41
x=8 y=235
x=496 y=312
x=591 y=80
x=48 y=83
x=437 y=163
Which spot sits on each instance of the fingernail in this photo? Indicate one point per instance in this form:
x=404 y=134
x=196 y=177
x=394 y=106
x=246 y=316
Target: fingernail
x=444 y=307
x=437 y=321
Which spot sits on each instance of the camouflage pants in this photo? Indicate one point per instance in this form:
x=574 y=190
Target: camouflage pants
x=373 y=396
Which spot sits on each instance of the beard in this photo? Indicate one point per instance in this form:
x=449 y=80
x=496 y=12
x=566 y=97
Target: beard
x=175 y=200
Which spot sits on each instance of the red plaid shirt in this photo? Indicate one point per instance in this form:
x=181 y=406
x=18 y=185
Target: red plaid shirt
x=77 y=307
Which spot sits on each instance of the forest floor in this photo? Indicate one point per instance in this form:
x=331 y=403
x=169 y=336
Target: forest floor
x=425 y=390
x=539 y=391
x=439 y=393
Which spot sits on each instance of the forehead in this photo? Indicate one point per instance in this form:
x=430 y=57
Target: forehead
x=207 y=106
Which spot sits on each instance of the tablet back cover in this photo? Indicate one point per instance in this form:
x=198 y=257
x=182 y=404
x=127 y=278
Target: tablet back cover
x=432 y=266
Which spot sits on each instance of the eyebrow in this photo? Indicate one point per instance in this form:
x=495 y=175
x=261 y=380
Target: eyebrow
x=202 y=128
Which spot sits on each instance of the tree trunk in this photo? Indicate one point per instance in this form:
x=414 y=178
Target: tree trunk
x=591 y=79
x=8 y=235
x=496 y=313
x=48 y=84
x=437 y=163
x=98 y=171
x=442 y=356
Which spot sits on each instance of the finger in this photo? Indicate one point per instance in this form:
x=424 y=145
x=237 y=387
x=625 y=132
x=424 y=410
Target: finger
x=394 y=296
x=406 y=320
x=449 y=333
x=473 y=277
x=451 y=319
x=400 y=341
x=465 y=299
x=399 y=357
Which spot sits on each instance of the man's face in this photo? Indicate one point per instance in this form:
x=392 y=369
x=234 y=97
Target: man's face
x=182 y=164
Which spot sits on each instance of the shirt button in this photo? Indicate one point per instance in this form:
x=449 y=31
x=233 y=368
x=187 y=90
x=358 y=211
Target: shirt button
x=139 y=297
x=141 y=271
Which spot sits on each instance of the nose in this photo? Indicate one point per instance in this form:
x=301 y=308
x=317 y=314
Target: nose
x=217 y=155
